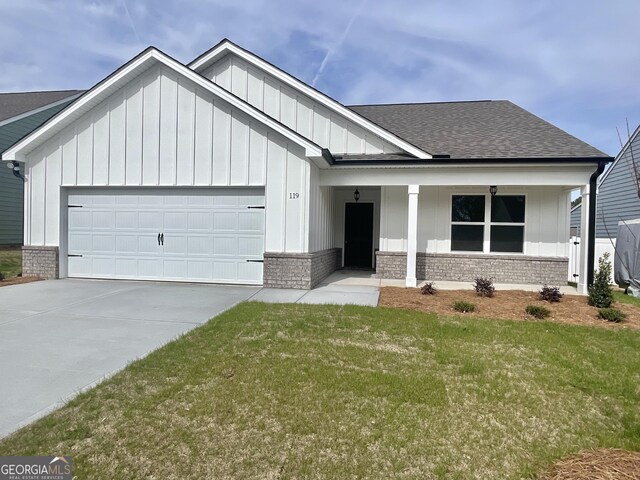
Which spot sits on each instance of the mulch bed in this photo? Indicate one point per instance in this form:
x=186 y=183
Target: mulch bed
x=602 y=464
x=506 y=305
x=17 y=280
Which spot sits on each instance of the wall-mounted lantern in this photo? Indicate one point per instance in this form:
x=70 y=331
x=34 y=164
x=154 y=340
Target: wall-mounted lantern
x=493 y=190
x=356 y=195
x=15 y=167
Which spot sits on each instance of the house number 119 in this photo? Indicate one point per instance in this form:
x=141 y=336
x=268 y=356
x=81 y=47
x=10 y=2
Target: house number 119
x=294 y=195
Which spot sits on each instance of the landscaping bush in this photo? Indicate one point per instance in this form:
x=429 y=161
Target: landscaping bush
x=428 y=288
x=601 y=293
x=2 y=277
x=550 y=294
x=484 y=287
x=612 y=315
x=464 y=307
x=538 y=311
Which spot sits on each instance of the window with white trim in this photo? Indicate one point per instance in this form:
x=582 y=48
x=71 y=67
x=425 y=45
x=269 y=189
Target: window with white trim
x=480 y=223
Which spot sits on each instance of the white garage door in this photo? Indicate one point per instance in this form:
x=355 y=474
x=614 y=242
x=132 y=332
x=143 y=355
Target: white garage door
x=179 y=235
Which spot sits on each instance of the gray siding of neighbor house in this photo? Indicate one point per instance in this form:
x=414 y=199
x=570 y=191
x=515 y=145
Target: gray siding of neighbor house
x=617 y=195
x=576 y=218
x=11 y=187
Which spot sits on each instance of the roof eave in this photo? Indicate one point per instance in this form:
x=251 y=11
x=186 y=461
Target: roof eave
x=475 y=161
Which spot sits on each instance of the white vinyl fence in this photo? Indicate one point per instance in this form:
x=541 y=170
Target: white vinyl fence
x=602 y=245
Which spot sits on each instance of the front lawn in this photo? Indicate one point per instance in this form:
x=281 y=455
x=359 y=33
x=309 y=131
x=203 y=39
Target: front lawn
x=10 y=261
x=300 y=391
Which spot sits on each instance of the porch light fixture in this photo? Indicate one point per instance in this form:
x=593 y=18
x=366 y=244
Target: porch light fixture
x=356 y=195
x=493 y=190
x=15 y=167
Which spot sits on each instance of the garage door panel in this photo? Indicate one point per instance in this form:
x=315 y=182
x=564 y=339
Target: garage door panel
x=175 y=221
x=200 y=221
x=101 y=244
x=208 y=235
x=250 y=247
x=148 y=244
x=225 y=246
x=251 y=221
x=126 y=220
x=175 y=244
x=200 y=245
x=225 y=221
x=150 y=220
x=79 y=218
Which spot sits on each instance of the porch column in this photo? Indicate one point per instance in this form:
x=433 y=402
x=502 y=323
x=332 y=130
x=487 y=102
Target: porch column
x=412 y=235
x=583 y=260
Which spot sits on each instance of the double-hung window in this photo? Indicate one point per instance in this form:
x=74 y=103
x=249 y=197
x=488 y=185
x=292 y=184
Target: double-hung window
x=480 y=223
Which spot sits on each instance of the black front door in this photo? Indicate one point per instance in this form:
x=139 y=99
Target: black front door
x=358 y=235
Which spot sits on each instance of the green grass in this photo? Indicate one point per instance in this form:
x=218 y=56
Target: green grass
x=295 y=391
x=620 y=296
x=10 y=261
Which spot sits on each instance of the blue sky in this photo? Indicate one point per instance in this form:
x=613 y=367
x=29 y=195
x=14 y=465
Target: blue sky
x=575 y=63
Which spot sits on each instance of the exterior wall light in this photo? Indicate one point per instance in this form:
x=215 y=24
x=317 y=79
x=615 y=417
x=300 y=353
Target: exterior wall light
x=356 y=195
x=15 y=167
x=493 y=190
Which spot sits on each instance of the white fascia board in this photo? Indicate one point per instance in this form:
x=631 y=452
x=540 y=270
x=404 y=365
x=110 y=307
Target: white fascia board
x=38 y=110
x=94 y=96
x=459 y=175
x=619 y=156
x=226 y=47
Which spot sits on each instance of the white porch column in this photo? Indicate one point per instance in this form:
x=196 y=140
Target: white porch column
x=412 y=235
x=584 y=241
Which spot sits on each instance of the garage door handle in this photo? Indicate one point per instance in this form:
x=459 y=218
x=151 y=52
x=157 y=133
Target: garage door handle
x=73 y=255
x=257 y=206
x=161 y=239
x=255 y=261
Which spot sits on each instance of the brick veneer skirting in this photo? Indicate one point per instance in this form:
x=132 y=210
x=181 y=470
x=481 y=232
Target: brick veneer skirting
x=300 y=270
x=40 y=261
x=462 y=267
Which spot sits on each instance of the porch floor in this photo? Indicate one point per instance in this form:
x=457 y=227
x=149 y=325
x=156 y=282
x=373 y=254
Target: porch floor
x=359 y=277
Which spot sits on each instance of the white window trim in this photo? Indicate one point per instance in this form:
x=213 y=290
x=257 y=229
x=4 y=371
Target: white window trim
x=486 y=243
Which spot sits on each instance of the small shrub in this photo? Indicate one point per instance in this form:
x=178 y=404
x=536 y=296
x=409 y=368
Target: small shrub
x=484 y=287
x=537 y=311
x=428 y=288
x=612 y=315
x=601 y=293
x=550 y=294
x=464 y=307
x=2 y=277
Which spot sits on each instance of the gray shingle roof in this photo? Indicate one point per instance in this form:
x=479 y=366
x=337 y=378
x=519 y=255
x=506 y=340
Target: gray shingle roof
x=477 y=129
x=12 y=104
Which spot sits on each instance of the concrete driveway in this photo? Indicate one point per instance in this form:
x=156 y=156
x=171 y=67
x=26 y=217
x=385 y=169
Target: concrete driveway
x=60 y=337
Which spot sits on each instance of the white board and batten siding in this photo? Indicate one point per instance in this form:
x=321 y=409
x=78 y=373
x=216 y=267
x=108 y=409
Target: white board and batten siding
x=545 y=230
x=294 y=109
x=164 y=131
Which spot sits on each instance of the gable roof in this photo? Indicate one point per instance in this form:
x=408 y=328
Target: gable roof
x=624 y=149
x=226 y=46
x=140 y=63
x=496 y=129
x=17 y=103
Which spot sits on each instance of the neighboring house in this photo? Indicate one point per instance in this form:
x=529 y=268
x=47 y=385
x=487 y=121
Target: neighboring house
x=618 y=197
x=230 y=170
x=618 y=200
x=21 y=113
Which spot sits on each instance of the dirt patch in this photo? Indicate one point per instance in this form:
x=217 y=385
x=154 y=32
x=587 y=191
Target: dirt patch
x=506 y=305
x=18 y=280
x=602 y=464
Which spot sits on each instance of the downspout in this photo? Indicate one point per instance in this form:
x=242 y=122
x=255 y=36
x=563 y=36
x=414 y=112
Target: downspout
x=591 y=234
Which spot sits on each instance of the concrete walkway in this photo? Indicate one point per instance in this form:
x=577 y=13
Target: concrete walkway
x=344 y=287
x=63 y=336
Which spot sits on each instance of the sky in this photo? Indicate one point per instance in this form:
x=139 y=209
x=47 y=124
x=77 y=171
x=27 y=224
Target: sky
x=575 y=63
